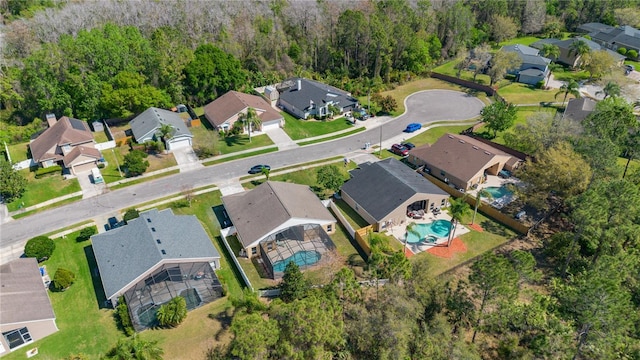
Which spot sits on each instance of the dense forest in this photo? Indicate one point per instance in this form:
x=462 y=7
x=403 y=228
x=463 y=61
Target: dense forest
x=574 y=293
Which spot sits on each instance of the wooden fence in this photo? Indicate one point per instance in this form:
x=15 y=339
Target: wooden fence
x=486 y=209
x=361 y=238
x=469 y=84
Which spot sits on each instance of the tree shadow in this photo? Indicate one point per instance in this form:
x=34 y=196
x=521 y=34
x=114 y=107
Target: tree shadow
x=494 y=228
x=101 y=298
x=224 y=318
x=235 y=140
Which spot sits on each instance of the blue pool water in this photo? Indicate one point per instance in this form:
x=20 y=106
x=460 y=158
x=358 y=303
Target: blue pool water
x=499 y=192
x=301 y=258
x=438 y=229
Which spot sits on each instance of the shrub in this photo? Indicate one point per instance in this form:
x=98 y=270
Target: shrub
x=122 y=313
x=101 y=165
x=40 y=247
x=130 y=215
x=135 y=163
x=540 y=84
x=86 y=233
x=172 y=313
x=622 y=51
x=182 y=203
x=48 y=170
x=632 y=54
x=62 y=279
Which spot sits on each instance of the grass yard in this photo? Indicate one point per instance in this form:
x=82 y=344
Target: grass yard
x=100 y=136
x=298 y=129
x=50 y=206
x=355 y=220
x=432 y=135
x=525 y=40
x=634 y=165
x=525 y=94
x=449 y=68
x=240 y=156
x=328 y=138
x=43 y=189
x=477 y=243
x=110 y=172
x=521 y=117
x=566 y=74
x=636 y=64
x=19 y=152
x=233 y=144
x=84 y=327
x=160 y=161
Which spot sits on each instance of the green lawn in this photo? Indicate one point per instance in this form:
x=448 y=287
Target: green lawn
x=240 y=156
x=110 y=172
x=526 y=94
x=634 y=165
x=525 y=40
x=566 y=74
x=635 y=64
x=449 y=68
x=328 y=138
x=19 y=152
x=100 y=136
x=432 y=135
x=477 y=243
x=43 y=189
x=84 y=326
x=521 y=117
x=355 y=220
x=301 y=129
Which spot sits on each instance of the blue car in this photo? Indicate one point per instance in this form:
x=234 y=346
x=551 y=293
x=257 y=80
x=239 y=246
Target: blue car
x=413 y=127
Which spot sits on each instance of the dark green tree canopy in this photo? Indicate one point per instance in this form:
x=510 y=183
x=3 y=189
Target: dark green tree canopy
x=12 y=183
x=40 y=247
x=499 y=116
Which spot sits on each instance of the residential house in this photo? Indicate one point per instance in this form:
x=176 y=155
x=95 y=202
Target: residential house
x=67 y=142
x=611 y=37
x=570 y=57
x=279 y=217
x=533 y=69
x=223 y=112
x=26 y=314
x=155 y=258
x=579 y=109
x=463 y=161
x=384 y=192
x=303 y=98
x=146 y=127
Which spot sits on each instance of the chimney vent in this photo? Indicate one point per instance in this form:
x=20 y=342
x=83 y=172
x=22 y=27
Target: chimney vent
x=51 y=119
x=299 y=84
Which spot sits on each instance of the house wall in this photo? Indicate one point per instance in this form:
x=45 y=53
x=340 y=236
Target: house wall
x=362 y=212
x=531 y=80
x=37 y=329
x=494 y=168
x=564 y=57
x=293 y=110
x=399 y=215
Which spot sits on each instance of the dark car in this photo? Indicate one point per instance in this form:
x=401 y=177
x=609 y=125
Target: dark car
x=113 y=223
x=258 y=169
x=408 y=145
x=413 y=127
x=399 y=150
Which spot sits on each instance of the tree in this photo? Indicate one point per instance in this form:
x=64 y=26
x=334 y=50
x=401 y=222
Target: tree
x=459 y=209
x=481 y=58
x=133 y=348
x=572 y=87
x=135 y=163
x=550 y=51
x=627 y=16
x=499 y=116
x=481 y=193
x=254 y=336
x=410 y=229
x=492 y=277
x=86 y=233
x=12 y=183
x=387 y=104
x=533 y=17
x=597 y=63
x=62 y=279
x=612 y=119
x=130 y=215
x=459 y=307
x=558 y=169
x=39 y=247
x=503 y=28
x=127 y=94
x=579 y=48
x=172 y=313
x=502 y=62
x=293 y=285
x=165 y=131
x=611 y=89
x=330 y=177
x=541 y=130
x=250 y=119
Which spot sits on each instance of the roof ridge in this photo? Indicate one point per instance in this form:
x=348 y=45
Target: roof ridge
x=274 y=191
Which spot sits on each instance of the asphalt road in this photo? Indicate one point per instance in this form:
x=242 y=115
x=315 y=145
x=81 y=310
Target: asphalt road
x=423 y=107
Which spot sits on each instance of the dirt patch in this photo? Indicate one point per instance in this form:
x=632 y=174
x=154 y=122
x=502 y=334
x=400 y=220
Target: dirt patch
x=475 y=227
x=457 y=246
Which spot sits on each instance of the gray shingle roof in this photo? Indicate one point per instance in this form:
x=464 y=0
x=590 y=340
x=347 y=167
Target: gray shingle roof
x=23 y=296
x=145 y=125
x=257 y=212
x=522 y=49
x=595 y=27
x=316 y=92
x=579 y=109
x=125 y=253
x=380 y=187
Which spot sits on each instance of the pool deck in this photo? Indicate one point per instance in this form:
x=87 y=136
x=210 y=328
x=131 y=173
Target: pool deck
x=399 y=232
x=496 y=181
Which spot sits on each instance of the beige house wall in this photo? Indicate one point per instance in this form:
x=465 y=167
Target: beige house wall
x=37 y=329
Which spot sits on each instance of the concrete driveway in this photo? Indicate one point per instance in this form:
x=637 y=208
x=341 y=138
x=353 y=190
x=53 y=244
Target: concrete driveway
x=187 y=159
x=89 y=189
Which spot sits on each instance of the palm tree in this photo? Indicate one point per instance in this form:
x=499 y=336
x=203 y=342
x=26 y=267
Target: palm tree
x=250 y=118
x=411 y=229
x=135 y=348
x=459 y=208
x=265 y=171
x=481 y=193
x=165 y=132
x=550 y=51
x=579 y=48
x=572 y=87
x=173 y=312
x=611 y=89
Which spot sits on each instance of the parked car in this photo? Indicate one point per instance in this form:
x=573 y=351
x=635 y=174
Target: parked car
x=258 y=169
x=399 y=150
x=408 y=145
x=413 y=127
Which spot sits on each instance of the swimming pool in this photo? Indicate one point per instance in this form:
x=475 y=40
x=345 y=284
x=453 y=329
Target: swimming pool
x=192 y=298
x=301 y=258
x=498 y=192
x=438 y=228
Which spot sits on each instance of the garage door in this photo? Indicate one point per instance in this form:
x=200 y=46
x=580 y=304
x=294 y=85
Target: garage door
x=83 y=168
x=178 y=144
x=270 y=125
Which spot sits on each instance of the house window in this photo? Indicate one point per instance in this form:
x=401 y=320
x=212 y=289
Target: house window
x=357 y=207
x=329 y=227
x=442 y=173
x=254 y=251
x=17 y=337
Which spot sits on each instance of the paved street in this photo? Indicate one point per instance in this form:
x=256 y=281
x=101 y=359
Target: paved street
x=423 y=107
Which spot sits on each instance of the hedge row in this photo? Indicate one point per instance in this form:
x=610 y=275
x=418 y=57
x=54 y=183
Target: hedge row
x=48 y=170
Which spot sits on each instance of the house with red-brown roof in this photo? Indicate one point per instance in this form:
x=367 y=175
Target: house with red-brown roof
x=463 y=161
x=223 y=112
x=67 y=142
